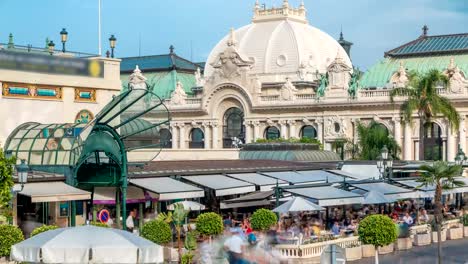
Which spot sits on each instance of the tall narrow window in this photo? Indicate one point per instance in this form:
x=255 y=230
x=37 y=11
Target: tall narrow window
x=197 y=138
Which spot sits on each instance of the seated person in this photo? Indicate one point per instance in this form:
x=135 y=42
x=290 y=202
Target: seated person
x=407 y=219
x=336 y=229
x=424 y=217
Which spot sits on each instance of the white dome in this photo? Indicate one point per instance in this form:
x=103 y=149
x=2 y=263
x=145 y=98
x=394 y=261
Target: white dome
x=279 y=46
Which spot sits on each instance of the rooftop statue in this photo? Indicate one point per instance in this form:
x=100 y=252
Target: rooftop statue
x=354 y=83
x=323 y=84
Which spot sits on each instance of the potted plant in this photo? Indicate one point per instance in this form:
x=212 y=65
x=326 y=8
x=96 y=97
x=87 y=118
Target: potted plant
x=422 y=238
x=465 y=225
x=443 y=232
x=368 y=250
x=404 y=241
x=353 y=251
x=9 y=235
x=379 y=231
x=190 y=245
x=160 y=233
x=455 y=232
x=209 y=224
x=263 y=219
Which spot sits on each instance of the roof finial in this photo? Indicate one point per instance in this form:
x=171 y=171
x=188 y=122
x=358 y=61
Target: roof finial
x=341 y=33
x=171 y=49
x=11 y=44
x=232 y=38
x=425 y=29
x=285 y=3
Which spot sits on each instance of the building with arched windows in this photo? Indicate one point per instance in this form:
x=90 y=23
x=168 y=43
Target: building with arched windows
x=280 y=76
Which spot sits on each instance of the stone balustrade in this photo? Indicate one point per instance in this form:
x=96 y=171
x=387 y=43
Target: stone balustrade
x=269 y=98
x=313 y=250
x=192 y=101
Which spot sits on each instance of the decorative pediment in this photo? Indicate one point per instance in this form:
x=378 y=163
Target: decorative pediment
x=458 y=81
x=400 y=78
x=339 y=73
x=338 y=65
x=288 y=90
x=230 y=62
x=178 y=96
x=136 y=79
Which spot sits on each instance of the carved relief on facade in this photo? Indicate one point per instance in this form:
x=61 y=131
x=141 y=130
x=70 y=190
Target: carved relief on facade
x=335 y=127
x=230 y=63
x=303 y=72
x=288 y=91
x=199 y=79
x=136 y=80
x=339 y=73
x=457 y=79
x=400 y=78
x=178 y=96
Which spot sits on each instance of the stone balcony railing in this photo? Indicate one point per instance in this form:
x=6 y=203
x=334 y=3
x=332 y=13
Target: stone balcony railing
x=314 y=249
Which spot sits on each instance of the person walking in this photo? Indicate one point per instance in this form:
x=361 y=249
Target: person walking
x=130 y=220
x=235 y=247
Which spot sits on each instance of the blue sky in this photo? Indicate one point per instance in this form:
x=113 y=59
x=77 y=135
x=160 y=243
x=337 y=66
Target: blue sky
x=373 y=25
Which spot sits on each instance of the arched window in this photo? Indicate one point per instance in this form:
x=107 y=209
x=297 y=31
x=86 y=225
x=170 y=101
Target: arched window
x=197 y=138
x=233 y=128
x=432 y=142
x=166 y=138
x=308 y=132
x=84 y=117
x=272 y=132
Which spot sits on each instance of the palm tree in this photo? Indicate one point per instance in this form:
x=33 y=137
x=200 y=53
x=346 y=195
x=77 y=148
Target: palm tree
x=422 y=97
x=443 y=176
x=372 y=139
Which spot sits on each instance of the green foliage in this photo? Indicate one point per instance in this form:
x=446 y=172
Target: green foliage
x=187 y=258
x=465 y=220
x=304 y=140
x=98 y=224
x=43 y=228
x=263 y=219
x=190 y=242
x=372 y=139
x=9 y=235
x=6 y=179
x=377 y=230
x=179 y=214
x=210 y=224
x=166 y=217
x=157 y=231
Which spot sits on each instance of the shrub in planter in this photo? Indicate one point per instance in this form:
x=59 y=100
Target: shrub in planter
x=209 y=224
x=404 y=241
x=368 y=251
x=422 y=239
x=353 y=252
x=263 y=219
x=98 y=224
x=455 y=233
x=377 y=230
x=187 y=258
x=9 y=235
x=157 y=231
x=43 y=228
x=465 y=225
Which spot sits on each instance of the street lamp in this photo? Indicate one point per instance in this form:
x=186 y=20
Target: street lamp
x=112 y=41
x=22 y=170
x=384 y=163
x=51 y=47
x=64 y=37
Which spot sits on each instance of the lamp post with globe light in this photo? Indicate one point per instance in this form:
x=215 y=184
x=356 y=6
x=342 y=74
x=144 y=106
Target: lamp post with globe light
x=385 y=164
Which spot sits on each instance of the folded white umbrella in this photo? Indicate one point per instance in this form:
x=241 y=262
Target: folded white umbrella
x=87 y=244
x=297 y=204
x=374 y=197
x=188 y=205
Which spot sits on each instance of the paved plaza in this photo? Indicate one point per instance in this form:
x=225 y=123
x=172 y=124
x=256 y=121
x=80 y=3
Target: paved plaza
x=454 y=252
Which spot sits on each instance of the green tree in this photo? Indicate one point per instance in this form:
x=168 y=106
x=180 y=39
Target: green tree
x=263 y=219
x=9 y=235
x=377 y=230
x=157 y=231
x=443 y=176
x=42 y=229
x=422 y=97
x=372 y=138
x=210 y=224
x=177 y=218
x=6 y=180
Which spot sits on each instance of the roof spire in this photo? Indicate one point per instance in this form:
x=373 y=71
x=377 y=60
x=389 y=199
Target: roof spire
x=232 y=38
x=285 y=3
x=11 y=44
x=425 y=29
x=171 y=49
x=341 y=33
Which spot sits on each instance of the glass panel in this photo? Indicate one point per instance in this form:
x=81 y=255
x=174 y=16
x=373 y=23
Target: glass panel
x=35 y=158
x=40 y=142
x=49 y=157
x=14 y=144
x=309 y=132
x=21 y=133
x=272 y=133
x=26 y=144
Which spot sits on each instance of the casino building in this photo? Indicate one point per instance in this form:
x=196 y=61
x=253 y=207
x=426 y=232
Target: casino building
x=50 y=86
x=280 y=76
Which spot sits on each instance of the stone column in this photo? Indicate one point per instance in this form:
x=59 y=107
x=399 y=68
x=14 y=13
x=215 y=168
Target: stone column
x=206 y=128
x=256 y=125
x=319 y=129
x=462 y=133
x=182 y=138
x=174 y=135
x=292 y=129
x=397 y=130
x=407 y=145
x=284 y=131
x=451 y=144
x=248 y=132
x=214 y=126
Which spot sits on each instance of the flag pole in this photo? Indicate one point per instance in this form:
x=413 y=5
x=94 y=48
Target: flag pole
x=99 y=28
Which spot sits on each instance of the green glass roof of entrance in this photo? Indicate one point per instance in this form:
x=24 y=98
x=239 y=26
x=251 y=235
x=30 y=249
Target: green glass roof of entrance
x=432 y=45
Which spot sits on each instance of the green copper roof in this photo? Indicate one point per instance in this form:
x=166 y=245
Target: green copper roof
x=432 y=45
x=158 y=63
x=379 y=75
x=290 y=155
x=165 y=82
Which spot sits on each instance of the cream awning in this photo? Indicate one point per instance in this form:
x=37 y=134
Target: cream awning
x=52 y=192
x=168 y=188
x=106 y=195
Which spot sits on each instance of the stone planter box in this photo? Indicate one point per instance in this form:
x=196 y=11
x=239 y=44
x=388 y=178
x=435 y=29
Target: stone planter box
x=386 y=249
x=455 y=233
x=353 y=253
x=422 y=239
x=443 y=235
x=404 y=243
x=368 y=251
x=3 y=260
x=171 y=254
x=465 y=231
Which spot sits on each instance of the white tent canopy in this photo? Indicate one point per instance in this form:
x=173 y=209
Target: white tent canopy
x=374 y=197
x=222 y=185
x=327 y=195
x=297 y=204
x=52 y=192
x=390 y=191
x=362 y=171
x=87 y=244
x=430 y=189
x=168 y=188
x=264 y=182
